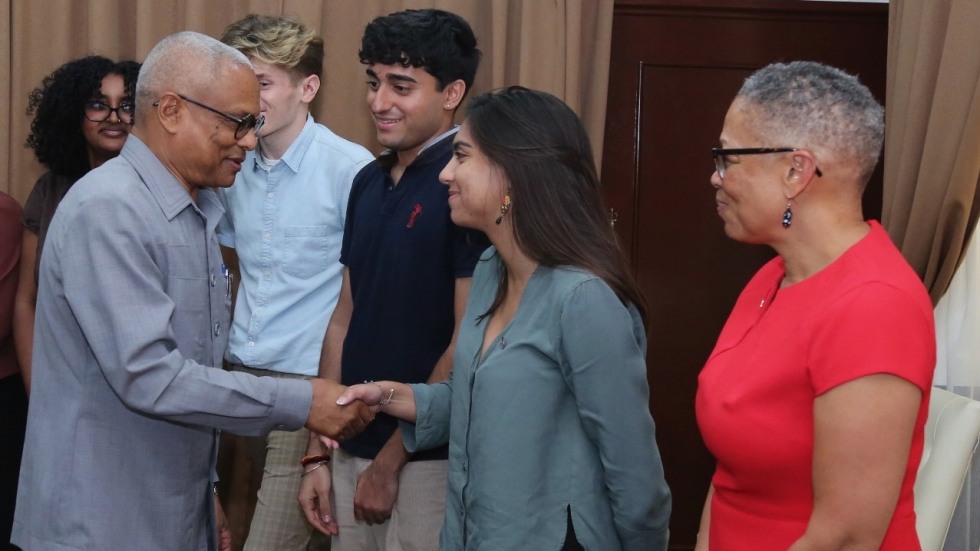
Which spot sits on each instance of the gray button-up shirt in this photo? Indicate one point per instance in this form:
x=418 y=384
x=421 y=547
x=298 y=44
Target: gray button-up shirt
x=132 y=314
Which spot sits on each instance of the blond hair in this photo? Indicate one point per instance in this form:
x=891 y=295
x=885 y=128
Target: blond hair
x=278 y=41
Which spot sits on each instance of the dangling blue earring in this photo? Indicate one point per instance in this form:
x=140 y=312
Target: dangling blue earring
x=788 y=215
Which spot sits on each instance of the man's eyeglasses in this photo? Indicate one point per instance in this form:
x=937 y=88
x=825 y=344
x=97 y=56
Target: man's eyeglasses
x=721 y=163
x=98 y=111
x=242 y=124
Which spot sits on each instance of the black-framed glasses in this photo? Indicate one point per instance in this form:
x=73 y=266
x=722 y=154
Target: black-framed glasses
x=719 y=154
x=98 y=111
x=242 y=124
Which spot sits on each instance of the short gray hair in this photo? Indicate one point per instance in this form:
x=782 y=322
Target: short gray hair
x=809 y=105
x=187 y=57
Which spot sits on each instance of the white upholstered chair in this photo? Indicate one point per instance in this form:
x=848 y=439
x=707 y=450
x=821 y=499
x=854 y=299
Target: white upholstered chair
x=952 y=431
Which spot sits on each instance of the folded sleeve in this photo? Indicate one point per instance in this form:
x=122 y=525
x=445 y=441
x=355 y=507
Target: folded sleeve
x=431 y=427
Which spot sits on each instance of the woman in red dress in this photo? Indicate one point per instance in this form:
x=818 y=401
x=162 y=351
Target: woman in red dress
x=814 y=399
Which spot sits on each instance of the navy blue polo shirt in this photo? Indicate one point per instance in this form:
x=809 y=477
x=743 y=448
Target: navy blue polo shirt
x=404 y=254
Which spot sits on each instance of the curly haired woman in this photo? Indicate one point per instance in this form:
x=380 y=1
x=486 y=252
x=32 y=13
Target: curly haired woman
x=83 y=112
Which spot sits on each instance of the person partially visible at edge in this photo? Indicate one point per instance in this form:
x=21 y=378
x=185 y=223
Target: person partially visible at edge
x=83 y=112
x=814 y=399
x=407 y=271
x=551 y=442
x=284 y=217
x=128 y=394
x=13 y=398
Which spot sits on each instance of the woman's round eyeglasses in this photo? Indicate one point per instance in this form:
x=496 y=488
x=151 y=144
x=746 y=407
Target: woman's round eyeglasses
x=98 y=111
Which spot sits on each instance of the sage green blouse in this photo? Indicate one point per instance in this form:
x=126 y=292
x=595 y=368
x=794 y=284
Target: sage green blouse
x=552 y=420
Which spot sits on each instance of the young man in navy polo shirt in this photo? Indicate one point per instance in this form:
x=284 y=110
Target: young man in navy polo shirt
x=406 y=279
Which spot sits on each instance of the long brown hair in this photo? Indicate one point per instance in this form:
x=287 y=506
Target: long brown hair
x=557 y=211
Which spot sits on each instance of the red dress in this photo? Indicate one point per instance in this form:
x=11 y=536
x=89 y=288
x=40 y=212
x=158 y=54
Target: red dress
x=866 y=313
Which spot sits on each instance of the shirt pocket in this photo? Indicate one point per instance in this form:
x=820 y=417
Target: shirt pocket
x=305 y=250
x=190 y=321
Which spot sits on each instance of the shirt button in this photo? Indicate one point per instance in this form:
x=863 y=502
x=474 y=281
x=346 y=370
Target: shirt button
x=267 y=234
x=267 y=274
x=271 y=195
x=217 y=329
x=251 y=343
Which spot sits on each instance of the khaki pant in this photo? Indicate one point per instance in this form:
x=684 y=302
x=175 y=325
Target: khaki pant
x=416 y=519
x=278 y=523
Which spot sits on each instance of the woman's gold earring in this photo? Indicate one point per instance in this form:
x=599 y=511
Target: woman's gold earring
x=504 y=207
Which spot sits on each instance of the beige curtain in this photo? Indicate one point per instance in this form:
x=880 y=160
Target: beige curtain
x=931 y=200
x=561 y=46
x=932 y=144
x=6 y=135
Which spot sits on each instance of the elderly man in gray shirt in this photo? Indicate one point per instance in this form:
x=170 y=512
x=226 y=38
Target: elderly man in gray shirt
x=132 y=317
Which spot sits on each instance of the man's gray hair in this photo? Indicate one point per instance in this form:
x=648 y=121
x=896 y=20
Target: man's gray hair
x=187 y=57
x=810 y=105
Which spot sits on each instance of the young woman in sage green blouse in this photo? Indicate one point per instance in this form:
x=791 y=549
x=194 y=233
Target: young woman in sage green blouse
x=551 y=442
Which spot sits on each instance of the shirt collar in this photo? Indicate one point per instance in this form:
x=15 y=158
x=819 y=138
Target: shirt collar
x=389 y=157
x=438 y=139
x=170 y=195
x=294 y=154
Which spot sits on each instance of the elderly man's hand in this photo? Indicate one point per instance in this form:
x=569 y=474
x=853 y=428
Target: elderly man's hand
x=337 y=422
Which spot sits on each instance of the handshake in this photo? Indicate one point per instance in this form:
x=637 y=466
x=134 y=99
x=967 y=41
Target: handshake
x=338 y=412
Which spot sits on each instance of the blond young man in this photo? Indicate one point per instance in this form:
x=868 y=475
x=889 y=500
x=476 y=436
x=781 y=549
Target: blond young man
x=285 y=217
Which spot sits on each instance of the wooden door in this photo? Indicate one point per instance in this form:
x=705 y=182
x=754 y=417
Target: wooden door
x=675 y=68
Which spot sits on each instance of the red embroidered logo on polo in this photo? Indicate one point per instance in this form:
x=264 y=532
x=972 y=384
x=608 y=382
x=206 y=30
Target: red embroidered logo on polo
x=416 y=210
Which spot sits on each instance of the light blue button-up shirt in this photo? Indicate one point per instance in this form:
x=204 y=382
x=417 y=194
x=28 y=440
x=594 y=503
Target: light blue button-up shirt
x=286 y=223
